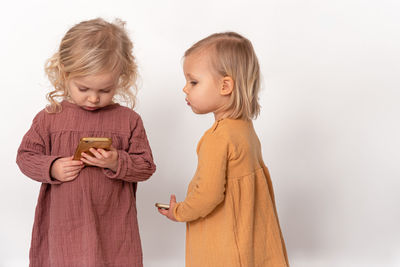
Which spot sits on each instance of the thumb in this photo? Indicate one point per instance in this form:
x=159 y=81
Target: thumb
x=172 y=200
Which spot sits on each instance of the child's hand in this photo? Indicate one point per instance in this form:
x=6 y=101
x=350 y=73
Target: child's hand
x=66 y=169
x=169 y=212
x=102 y=158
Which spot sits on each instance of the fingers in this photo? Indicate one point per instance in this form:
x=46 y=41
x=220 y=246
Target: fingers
x=66 y=169
x=96 y=153
x=91 y=160
x=68 y=161
x=73 y=171
x=67 y=177
x=71 y=168
x=163 y=211
x=108 y=155
x=72 y=165
x=99 y=155
x=103 y=153
x=102 y=158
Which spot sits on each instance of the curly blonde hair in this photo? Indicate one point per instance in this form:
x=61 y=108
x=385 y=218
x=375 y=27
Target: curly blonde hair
x=89 y=48
x=233 y=55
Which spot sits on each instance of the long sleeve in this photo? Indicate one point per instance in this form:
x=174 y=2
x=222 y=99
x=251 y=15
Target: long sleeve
x=33 y=157
x=208 y=186
x=136 y=164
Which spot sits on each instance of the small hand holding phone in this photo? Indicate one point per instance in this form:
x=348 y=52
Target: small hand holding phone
x=162 y=206
x=86 y=143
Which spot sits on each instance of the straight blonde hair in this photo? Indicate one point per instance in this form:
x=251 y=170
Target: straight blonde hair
x=89 y=48
x=233 y=55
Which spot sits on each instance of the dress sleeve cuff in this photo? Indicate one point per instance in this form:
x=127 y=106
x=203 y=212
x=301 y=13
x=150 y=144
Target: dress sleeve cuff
x=47 y=170
x=175 y=212
x=121 y=169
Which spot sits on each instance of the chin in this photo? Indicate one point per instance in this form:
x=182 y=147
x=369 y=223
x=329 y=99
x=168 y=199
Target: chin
x=200 y=112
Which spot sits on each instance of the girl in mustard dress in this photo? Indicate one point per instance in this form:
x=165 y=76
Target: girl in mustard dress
x=230 y=208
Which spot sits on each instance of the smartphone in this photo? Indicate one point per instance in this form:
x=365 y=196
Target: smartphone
x=162 y=206
x=86 y=143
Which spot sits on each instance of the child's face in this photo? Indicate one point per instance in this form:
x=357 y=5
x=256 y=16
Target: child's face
x=202 y=86
x=93 y=91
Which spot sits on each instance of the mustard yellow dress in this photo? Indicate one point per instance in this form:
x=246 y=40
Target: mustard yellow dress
x=230 y=208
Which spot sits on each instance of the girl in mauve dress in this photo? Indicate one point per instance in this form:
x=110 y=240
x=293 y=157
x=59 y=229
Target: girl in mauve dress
x=229 y=208
x=86 y=210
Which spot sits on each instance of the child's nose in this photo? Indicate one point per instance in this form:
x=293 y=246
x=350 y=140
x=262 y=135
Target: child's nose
x=185 y=90
x=93 y=99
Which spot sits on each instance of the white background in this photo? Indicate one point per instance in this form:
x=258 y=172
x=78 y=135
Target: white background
x=329 y=125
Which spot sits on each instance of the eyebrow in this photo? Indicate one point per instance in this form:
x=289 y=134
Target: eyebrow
x=191 y=76
x=82 y=85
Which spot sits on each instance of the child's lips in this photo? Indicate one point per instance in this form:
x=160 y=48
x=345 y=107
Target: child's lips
x=187 y=102
x=91 y=108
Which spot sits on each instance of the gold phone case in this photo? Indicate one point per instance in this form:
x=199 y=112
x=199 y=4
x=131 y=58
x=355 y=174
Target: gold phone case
x=162 y=206
x=86 y=143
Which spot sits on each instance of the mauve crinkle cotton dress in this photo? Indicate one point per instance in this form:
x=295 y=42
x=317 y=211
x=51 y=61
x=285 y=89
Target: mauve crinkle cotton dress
x=92 y=220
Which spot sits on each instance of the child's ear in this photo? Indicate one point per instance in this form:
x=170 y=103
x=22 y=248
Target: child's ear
x=227 y=86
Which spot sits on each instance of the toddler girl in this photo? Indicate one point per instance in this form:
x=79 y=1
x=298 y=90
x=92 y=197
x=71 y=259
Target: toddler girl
x=86 y=216
x=229 y=208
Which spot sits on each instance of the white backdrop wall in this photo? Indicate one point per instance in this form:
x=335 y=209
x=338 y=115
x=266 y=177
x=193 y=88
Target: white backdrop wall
x=329 y=125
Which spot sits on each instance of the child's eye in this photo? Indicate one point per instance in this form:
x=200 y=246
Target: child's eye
x=193 y=82
x=105 y=91
x=82 y=89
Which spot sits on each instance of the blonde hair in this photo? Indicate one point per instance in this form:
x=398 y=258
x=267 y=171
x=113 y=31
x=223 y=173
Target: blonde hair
x=233 y=55
x=89 y=48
